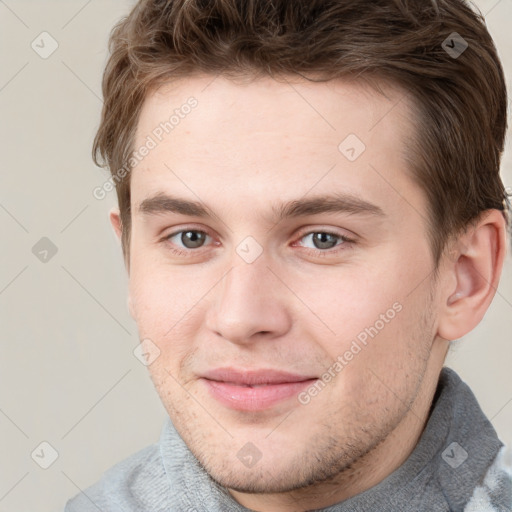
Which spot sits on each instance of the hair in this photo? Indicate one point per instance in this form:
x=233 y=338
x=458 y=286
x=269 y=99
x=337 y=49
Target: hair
x=460 y=101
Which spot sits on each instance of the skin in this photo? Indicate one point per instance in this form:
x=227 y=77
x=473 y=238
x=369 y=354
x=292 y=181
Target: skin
x=246 y=148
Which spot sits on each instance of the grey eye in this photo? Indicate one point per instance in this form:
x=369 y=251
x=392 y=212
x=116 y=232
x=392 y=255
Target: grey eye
x=192 y=239
x=323 y=240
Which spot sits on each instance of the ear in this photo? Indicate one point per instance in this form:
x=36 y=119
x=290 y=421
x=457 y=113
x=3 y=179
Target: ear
x=115 y=220
x=473 y=273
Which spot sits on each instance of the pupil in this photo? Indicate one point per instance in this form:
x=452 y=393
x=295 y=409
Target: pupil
x=321 y=240
x=192 y=239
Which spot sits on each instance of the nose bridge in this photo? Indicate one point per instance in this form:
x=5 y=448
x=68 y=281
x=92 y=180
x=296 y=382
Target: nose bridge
x=246 y=288
x=247 y=302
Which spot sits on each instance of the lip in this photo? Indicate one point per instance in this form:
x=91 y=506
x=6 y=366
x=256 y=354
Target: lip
x=253 y=390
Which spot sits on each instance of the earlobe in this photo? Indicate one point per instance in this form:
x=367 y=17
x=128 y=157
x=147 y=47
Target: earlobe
x=476 y=271
x=115 y=220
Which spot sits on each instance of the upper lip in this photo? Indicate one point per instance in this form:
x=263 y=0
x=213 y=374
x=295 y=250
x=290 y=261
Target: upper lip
x=251 y=377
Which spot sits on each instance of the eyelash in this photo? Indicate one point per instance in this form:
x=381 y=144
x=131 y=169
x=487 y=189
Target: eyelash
x=345 y=242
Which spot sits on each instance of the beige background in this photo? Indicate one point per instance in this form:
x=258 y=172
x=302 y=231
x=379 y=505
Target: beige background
x=68 y=373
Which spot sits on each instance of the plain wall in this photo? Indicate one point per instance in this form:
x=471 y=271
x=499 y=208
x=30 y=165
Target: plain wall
x=68 y=373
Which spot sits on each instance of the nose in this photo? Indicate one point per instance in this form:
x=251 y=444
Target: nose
x=249 y=304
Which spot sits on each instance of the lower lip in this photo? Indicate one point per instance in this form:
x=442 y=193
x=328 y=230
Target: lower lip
x=244 y=398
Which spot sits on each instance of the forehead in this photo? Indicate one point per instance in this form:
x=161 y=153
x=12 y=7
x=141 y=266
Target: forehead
x=295 y=135
x=295 y=106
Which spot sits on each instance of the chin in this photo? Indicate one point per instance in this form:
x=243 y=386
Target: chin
x=261 y=483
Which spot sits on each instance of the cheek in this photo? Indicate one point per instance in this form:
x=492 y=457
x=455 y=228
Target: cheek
x=169 y=309
x=163 y=296
x=348 y=300
x=369 y=317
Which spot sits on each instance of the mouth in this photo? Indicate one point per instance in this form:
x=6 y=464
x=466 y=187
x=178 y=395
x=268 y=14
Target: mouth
x=253 y=390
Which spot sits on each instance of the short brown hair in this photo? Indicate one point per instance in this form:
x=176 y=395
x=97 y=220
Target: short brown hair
x=460 y=100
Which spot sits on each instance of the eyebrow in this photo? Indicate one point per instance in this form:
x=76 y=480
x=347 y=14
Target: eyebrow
x=331 y=203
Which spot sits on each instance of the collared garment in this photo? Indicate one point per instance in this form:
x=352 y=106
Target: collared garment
x=458 y=465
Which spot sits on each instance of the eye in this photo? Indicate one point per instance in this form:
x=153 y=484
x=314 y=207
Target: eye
x=324 y=240
x=185 y=241
x=188 y=239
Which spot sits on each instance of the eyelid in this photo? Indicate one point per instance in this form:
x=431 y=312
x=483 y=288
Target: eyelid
x=185 y=229
x=348 y=236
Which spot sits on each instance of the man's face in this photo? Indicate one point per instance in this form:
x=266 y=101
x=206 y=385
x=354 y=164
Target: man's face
x=251 y=310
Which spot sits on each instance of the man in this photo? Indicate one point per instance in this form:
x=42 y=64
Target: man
x=310 y=210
